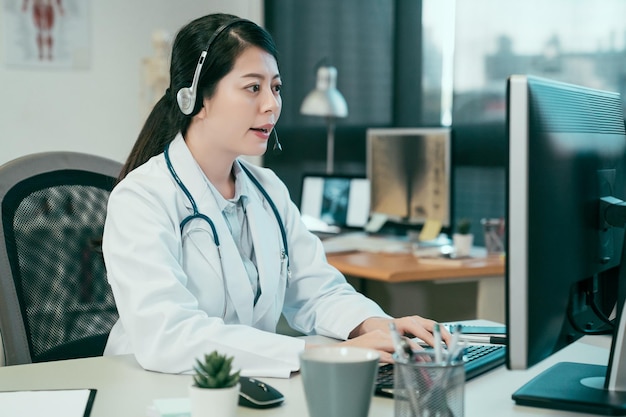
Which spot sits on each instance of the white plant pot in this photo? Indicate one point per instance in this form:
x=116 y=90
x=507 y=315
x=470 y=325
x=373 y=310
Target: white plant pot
x=207 y=402
x=462 y=244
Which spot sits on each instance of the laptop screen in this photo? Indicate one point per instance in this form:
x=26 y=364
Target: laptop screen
x=341 y=201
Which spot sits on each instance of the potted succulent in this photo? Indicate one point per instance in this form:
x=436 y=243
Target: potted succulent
x=215 y=390
x=463 y=239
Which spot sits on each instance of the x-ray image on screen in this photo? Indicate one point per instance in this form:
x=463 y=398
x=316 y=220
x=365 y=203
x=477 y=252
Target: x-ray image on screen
x=335 y=200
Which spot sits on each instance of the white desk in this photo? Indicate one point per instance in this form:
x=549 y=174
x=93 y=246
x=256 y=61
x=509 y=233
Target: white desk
x=124 y=389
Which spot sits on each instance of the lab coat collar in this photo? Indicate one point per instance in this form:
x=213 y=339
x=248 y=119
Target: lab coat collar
x=240 y=295
x=187 y=170
x=262 y=224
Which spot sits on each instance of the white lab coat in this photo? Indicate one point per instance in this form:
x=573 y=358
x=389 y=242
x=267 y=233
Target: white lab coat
x=172 y=290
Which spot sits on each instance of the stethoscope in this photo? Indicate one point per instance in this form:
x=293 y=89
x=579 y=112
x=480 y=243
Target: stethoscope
x=197 y=215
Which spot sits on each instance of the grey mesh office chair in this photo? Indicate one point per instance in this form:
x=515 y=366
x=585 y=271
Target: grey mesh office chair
x=55 y=302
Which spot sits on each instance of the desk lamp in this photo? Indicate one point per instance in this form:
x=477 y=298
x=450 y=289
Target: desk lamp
x=326 y=101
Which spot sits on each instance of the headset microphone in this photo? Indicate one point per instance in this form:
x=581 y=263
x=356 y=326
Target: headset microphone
x=277 y=148
x=186 y=96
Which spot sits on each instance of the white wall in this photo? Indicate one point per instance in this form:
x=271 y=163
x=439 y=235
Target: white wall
x=96 y=110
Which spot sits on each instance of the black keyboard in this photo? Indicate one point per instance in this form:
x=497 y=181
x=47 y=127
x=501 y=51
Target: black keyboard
x=478 y=360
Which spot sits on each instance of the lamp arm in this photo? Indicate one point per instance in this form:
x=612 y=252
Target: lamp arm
x=330 y=145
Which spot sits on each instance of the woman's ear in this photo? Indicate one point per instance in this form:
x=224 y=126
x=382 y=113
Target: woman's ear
x=202 y=114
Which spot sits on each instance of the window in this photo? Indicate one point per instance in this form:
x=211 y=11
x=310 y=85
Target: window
x=355 y=36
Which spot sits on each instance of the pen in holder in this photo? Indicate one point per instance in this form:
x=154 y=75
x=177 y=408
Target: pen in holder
x=425 y=387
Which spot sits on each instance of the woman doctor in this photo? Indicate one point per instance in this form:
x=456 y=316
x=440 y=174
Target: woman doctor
x=203 y=250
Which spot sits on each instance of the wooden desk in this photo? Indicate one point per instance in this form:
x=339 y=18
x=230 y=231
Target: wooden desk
x=403 y=285
x=404 y=267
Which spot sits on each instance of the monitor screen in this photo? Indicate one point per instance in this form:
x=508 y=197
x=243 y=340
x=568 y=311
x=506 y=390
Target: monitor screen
x=566 y=173
x=409 y=172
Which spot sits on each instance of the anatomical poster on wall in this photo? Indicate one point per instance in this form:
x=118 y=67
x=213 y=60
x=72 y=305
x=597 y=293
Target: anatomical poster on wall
x=47 y=33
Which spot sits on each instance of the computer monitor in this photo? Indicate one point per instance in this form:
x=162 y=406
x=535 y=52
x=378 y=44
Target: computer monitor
x=565 y=180
x=409 y=173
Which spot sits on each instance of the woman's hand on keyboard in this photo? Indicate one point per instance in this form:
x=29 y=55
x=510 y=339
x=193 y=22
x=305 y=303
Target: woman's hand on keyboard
x=374 y=333
x=376 y=339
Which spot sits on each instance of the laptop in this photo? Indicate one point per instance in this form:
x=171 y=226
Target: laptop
x=334 y=203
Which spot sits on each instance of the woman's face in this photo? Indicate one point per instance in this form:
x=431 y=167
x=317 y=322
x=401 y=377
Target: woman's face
x=239 y=117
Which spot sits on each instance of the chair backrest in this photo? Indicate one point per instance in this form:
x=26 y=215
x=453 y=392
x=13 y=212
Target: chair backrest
x=55 y=301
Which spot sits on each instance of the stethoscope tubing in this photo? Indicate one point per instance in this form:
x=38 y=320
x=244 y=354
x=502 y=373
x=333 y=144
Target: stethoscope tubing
x=197 y=215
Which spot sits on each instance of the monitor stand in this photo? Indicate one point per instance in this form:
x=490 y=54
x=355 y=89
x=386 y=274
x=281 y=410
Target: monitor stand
x=573 y=387
x=583 y=387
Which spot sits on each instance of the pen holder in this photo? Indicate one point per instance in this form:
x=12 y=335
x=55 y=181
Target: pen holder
x=424 y=387
x=495 y=238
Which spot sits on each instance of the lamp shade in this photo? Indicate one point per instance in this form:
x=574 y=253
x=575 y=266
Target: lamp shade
x=325 y=100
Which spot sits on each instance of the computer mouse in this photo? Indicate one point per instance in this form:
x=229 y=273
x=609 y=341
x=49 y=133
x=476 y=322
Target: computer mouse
x=258 y=394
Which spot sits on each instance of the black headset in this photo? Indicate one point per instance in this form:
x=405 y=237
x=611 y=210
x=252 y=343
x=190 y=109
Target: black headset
x=186 y=96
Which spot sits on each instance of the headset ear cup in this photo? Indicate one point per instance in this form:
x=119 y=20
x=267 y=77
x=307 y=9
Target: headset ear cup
x=186 y=97
x=186 y=100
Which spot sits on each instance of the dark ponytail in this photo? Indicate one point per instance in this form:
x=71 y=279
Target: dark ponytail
x=160 y=128
x=166 y=120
